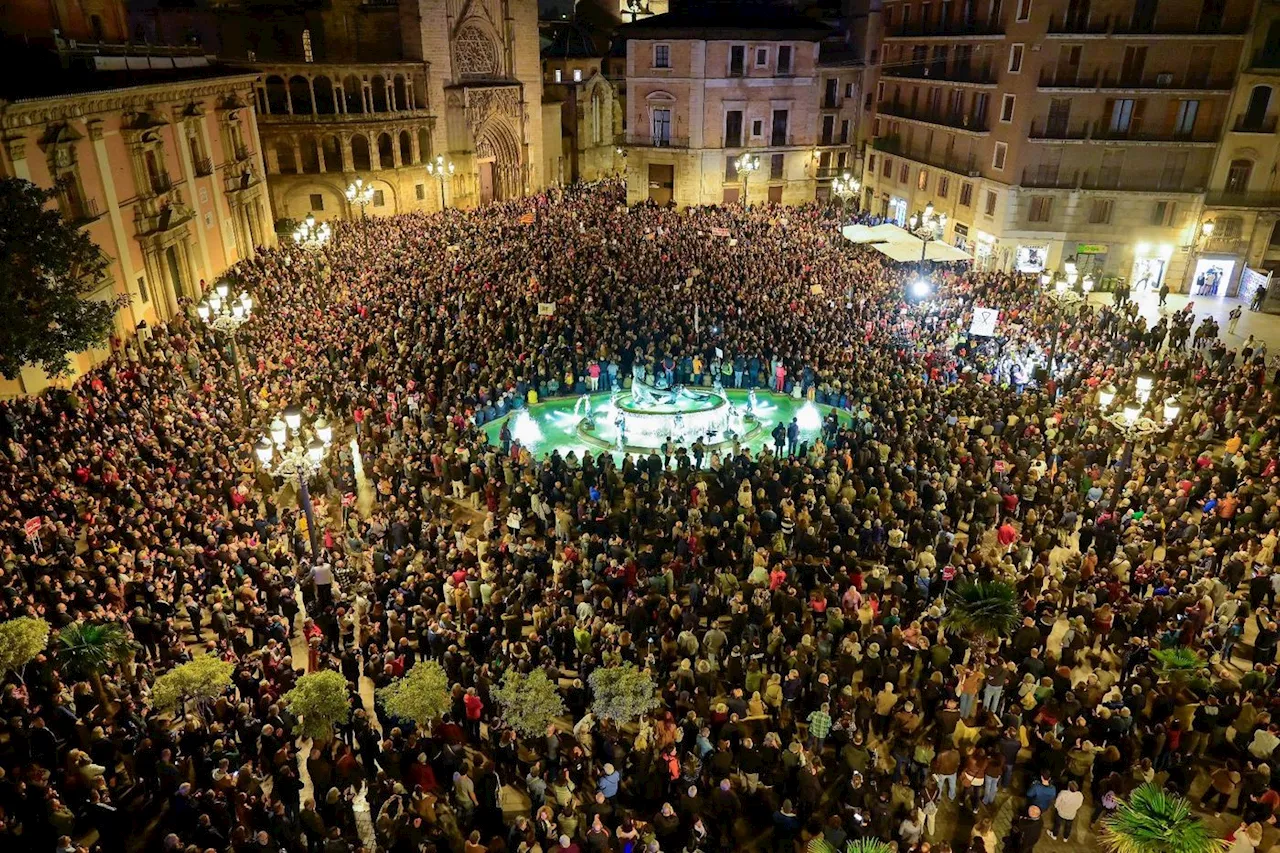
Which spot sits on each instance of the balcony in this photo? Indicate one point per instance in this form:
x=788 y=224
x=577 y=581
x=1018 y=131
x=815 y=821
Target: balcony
x=234 y=183
x=1078 y=27
x=343 y=118
x=1103 y=131
x=161 y=184
x=1249 y=124
x=648 y=140
x=371 y=5
x=1227 y=198
x=829 y=103
x=1225 y=245
x=942 y=118
x=1113 y=180
x=1202 y=29
x=959 y=165
x=826 y=173
x=928 y=71
x=1041 y=178
x=1265 y=60
x=946 y=30
x=241 y=154
x=1076 y=78
x=1114 y=78
x=83 y=212
x=1058 y=131
x=203 y=166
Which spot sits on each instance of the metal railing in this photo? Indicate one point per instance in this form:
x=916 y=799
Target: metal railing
x=649 y=140
x=1042 y=129
x=1233 y=27
x=1078 y=26
x=1051 y=78
x=945 y=118
x=1103 y=130
x=1246 y=124
x=1227 y=198
x=1050 y=179
x=161 y=184
x=945 y=29
x=984 y=76
x=1117 y=181
x=241 y=153
x=203 y=166
x=1116 y=79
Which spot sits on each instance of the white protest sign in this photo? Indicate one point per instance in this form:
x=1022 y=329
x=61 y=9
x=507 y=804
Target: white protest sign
x=984 y=321
x=546 y=309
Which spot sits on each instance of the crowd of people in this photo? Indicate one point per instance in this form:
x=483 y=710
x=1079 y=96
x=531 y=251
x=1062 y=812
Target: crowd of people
x=790 y=606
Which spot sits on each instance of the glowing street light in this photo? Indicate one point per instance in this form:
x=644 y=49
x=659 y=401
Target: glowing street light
x=440 y=169
x=360 y=193
x=288 y=452
x=312 y=235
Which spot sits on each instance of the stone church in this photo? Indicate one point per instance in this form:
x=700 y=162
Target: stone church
x=378 y=89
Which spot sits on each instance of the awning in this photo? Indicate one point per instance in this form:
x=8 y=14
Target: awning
x=901 y=245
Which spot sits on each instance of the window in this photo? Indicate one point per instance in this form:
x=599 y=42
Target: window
x=776 y=164
x=998 y=156
x=142 y=289
x=1122 y=115
x=904 y=173
x=737 y=59
x=922 y=180
x=420 y=191
x=559 y=76
x=577 y=75
x=317 y=201
x=784 y=59
x=1006 y=108
x=844 y=132
x=1162 y=212
x=1229 y=227
x=662 y=127
x=731 y=168
x=888 y=167
x=848 y=90
x=1100 y=211
x=871 y=164
x=1015 y=58
x=662 y=56
x=944 y=186
x=1275 y=235
x=762 y=57
x=1024 y=10
x=1185 y=124
x=733 y=129
x=991 y=203
x=1238 y=175
x=779 y=134
x=966 y=194
x=1041 y=208
x=828 y=133
x=757 y=128
x=307 y=55
x=1174 y=172
x=378 y=198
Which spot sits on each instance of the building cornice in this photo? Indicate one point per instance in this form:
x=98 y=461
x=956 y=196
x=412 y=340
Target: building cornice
x=37 y=111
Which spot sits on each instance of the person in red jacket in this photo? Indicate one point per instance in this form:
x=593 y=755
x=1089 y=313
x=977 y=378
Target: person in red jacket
x=474 y=707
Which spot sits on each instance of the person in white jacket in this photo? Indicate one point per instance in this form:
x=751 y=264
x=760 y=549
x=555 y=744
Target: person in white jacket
x=1066 y=807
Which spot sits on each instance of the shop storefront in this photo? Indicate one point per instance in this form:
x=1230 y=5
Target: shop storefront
x=1030 y=260
x=898 y=211
x=984 y=250
x=1091 y=259
x=1150 y=264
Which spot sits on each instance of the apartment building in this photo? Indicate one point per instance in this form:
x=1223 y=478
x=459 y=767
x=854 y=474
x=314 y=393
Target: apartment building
x=1243 y=196
x=708 y=82
x=1056 y=129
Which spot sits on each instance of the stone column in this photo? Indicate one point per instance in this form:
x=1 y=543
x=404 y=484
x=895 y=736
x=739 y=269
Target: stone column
x=348 y=160
x=311 y=85
x=415 y=147
x=297 y=154
x=318 y=142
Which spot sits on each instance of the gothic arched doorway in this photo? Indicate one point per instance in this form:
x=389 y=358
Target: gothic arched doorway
x=498 y=163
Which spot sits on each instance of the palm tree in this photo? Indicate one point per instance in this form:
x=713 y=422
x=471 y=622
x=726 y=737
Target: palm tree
x=88 y=649
x=1154 y=820
x=861 y=845
x=982 y=610
x=1177 y=665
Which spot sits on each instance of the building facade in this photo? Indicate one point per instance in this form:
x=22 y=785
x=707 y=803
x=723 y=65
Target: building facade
x=1050 y=130
x=708 y=83
x=166 y=179
x=582 y=119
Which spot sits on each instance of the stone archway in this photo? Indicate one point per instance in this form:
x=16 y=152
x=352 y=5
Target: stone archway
x=498 y=162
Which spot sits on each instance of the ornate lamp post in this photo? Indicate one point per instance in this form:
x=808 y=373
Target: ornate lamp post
x=1134 y=426
x=440 y=169
x=360 y=193
x=928 y=226
x=746 y=164
x=312 y=235
x=845 y=187
x=225 y=316
x=287 y=453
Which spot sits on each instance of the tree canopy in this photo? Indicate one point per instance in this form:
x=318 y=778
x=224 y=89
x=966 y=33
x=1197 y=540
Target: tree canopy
x=319 y=701
x=421 y=697
x=982 y=610
x=44 y=264
x=622 y=693
x=200 y=681
x=21 y=640
x=1153 y=820
x=530 y=702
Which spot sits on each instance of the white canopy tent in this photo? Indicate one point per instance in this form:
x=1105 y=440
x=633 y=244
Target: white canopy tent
x=901 y=245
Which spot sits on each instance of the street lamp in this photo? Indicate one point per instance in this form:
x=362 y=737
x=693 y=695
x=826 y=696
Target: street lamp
x=360 y=193
x=312 y=235
x=440 y=169
x=289 y=452
x=927 y=226
x=746 y=164
x=225 y=316
x=1134 y=426
x=845 y=187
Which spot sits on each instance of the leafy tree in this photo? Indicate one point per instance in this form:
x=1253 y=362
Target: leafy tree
x=319 y=701
x=21 y=641
x=982 y=610
x=529 y=702
x=422 y=696
x=44 y=264
x=88 y=650
x=1177 y=665
x=200 y=681
x=622 y=693
x=1154 y=820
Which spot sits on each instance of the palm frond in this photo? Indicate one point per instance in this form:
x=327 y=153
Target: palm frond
x=1154 y=820
x=1178 y=663
x=869 y=845
x=982 y=609
x=84 y=649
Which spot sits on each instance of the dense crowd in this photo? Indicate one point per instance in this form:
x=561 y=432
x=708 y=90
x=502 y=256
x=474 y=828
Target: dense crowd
x=789 y=605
